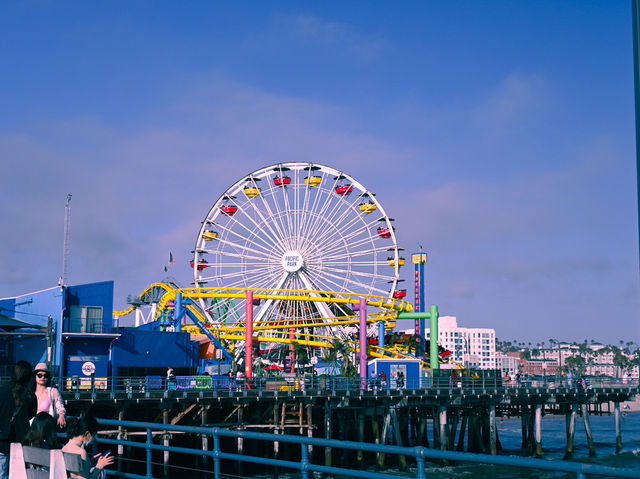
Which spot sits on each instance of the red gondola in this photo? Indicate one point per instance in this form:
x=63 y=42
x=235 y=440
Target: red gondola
x=344 y=190
x=229 y=210
x=282 y=181
x=400 y=293
x=202 y=264
x=384 y=233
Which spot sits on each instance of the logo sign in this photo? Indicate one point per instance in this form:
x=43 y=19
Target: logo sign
x=88 y=368
x=292 y=261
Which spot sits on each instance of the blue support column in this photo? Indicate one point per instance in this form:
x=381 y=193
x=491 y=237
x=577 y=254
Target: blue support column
x=381 y=332
x=177 y=312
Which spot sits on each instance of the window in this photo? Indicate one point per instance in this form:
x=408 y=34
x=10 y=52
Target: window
x=85 y=319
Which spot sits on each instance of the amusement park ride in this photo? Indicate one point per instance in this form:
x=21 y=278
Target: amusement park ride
x=295 y=248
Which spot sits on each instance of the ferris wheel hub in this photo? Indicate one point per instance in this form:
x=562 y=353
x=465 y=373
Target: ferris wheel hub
x=292 y=261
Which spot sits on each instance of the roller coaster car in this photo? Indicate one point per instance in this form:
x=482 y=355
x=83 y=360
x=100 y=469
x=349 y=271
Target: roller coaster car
x=384 y=233
x=367 y=208
x=251 y=191
x=344 y=190
x=444 y=355
x=313 y=180
x=392 y=261
x=282 y=181
x=202 y=264
x=229 y=210
x=209 y=235
x=399 y=294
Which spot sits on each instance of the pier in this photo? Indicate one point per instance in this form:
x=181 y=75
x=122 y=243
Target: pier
x=443 y=413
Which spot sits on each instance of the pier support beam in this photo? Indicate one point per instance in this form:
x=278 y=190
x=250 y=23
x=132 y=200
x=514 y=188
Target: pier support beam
x=616 y=414
x=328 y=433
x=587 y=430
x=493 y=448
x=571 y=430
x=537 y=435
x=165 y=441
x=463 y=426
x=444 y=428
x=398 y=437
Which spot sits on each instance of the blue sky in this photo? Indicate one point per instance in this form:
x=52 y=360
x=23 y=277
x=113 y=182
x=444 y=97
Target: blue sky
x=499 y=134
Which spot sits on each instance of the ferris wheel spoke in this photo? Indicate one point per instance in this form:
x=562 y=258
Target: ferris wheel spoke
x=344 y=248
x=348 y=279
x=348 y=233
x=286 y=234
x=272 y=218
x=321 y=197
x=361 y=274
x=270 y=234
x=231 y=243
x=341 y=207
x=343 y=211
x=341 y=253
x=322 y=208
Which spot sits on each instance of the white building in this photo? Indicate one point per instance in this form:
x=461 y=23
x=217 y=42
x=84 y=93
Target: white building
x=472 y=347
x=509 y=364
x=599 y=360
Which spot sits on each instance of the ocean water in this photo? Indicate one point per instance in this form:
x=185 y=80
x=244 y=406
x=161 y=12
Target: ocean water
x=553 y=443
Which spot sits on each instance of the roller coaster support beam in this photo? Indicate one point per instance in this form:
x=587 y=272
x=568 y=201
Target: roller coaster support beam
x=362 y=307
x=180 y=311
x=381 y=333
x=433 y=316
x=248 y=348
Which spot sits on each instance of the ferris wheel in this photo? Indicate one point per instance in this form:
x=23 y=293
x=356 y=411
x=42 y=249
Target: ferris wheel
x=299 y=227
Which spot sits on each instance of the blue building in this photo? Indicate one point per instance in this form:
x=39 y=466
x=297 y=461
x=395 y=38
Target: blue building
x=72 y=328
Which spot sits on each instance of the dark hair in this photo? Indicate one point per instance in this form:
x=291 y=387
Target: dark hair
x=81 y=425
x=42 y=432
x=21 y=377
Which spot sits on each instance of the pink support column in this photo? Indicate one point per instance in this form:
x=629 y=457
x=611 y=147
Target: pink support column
x=363 y=343
x=248 y=339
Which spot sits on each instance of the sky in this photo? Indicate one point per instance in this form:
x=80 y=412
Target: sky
x=499 y=135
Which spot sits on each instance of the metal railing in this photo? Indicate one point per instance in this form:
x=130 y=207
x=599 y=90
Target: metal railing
x=440 y=380
x=305 y=466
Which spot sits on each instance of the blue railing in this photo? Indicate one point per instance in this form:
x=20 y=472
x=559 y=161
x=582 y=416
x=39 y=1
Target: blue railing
x=305 y=466
x=442 y=381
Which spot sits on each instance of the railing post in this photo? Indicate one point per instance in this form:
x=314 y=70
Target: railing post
x=304 y=460
x=421 y=474
x=148 y=451
x=216 y=457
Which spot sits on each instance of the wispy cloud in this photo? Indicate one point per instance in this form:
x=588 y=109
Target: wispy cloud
x=339 y=35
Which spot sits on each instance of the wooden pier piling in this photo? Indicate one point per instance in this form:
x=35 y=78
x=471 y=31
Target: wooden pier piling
x=616 y=413
x=587 y=430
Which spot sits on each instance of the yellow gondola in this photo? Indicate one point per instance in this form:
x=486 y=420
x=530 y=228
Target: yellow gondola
x=367 y=208
x=392 y=262
x=313 y=180
x=209 y=235
x=251 y=192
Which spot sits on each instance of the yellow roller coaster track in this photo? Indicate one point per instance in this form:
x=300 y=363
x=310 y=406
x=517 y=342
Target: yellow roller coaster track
x=388 y=309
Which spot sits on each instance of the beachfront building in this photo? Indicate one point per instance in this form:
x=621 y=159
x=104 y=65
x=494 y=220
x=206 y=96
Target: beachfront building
x=508 y=363
x=471 y=347
x=599 y=359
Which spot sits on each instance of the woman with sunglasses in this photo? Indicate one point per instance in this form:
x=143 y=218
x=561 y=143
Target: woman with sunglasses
x=49 y=399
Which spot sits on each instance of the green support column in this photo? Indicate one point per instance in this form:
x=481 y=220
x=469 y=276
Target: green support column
x=433 y=338
x=433 y=316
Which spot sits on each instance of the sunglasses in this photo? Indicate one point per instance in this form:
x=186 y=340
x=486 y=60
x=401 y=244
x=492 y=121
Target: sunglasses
x=42 y=375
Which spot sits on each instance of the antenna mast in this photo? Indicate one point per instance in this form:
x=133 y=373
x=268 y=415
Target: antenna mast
x=65 y=247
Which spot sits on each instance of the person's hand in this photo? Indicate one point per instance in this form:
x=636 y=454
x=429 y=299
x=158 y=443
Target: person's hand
x=104 y=461
x=62 y=421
